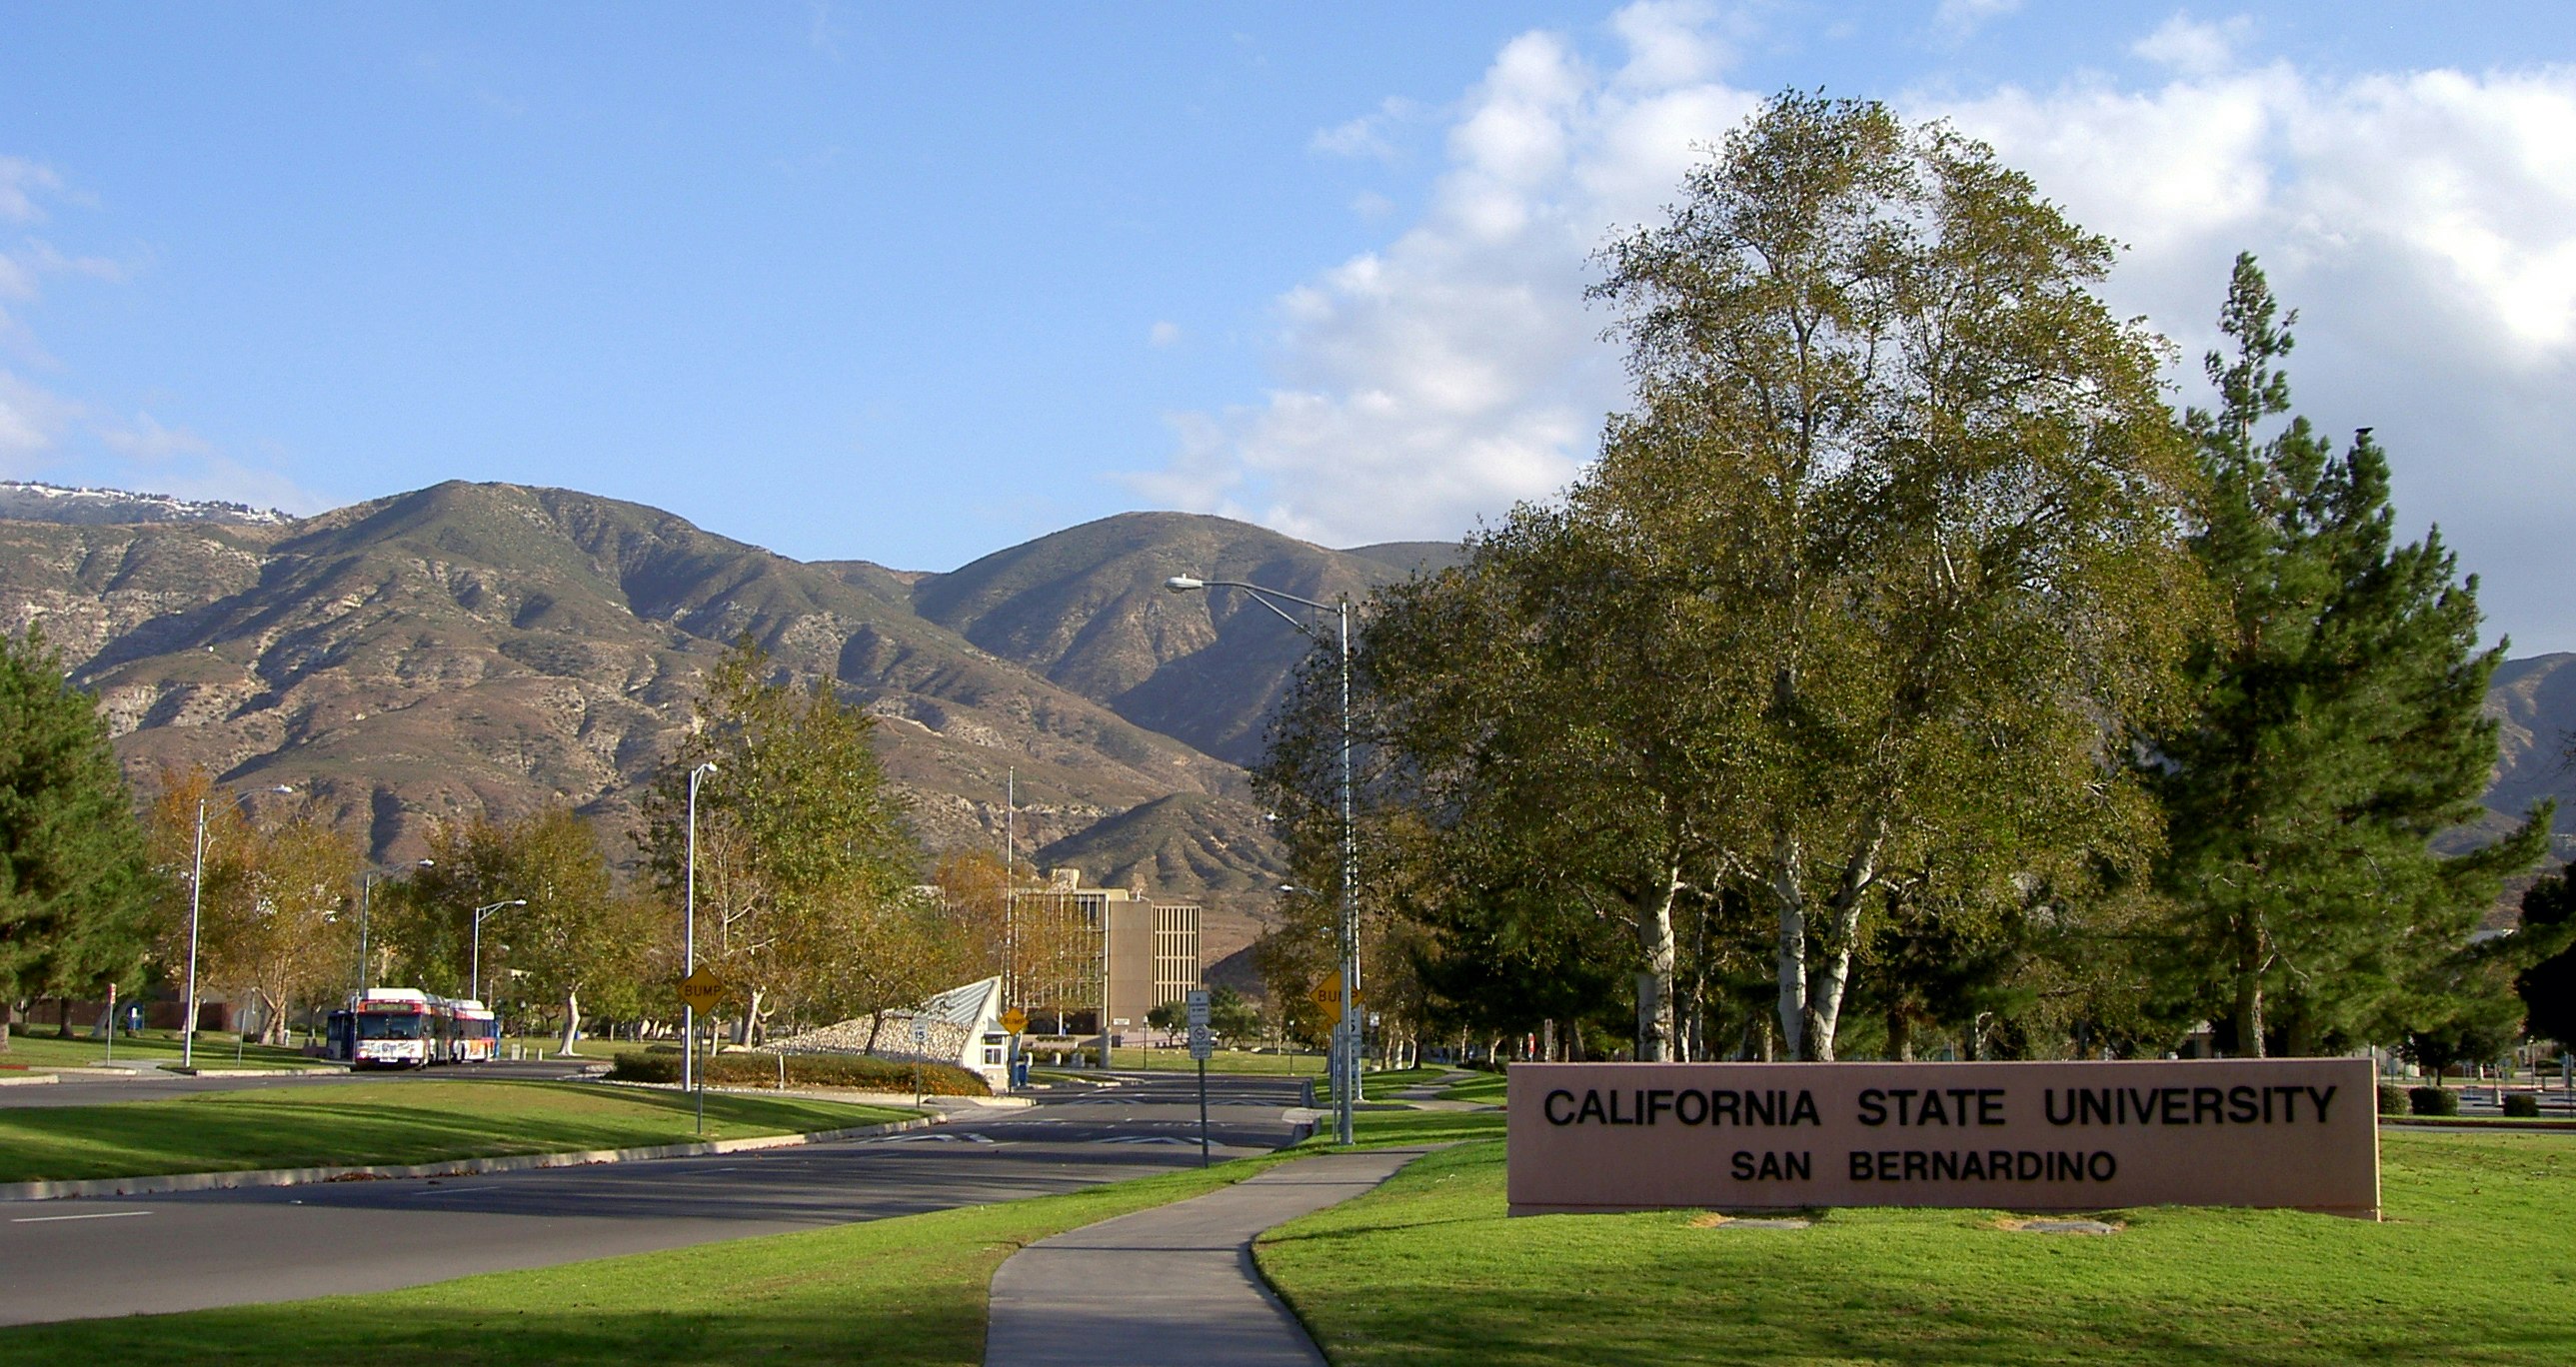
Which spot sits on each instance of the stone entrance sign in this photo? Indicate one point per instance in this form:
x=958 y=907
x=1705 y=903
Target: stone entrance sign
x=2300 y=1133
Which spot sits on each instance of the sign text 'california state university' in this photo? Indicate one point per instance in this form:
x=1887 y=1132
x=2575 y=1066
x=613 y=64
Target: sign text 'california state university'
x=2299 y=1133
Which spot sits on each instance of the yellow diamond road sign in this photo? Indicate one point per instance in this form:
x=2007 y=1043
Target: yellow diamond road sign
x=1015 y=1020
x=1328 y=997
x=701 y=990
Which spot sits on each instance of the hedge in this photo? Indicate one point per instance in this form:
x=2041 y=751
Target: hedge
x=858 y=1071
x=2392 y=1100
x=2522 y=1106
x=2434 y=1100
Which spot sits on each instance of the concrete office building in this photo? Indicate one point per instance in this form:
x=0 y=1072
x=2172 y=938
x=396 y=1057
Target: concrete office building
x=1074 y=955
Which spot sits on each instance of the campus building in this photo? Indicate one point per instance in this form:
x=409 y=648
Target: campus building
x=1088 y=961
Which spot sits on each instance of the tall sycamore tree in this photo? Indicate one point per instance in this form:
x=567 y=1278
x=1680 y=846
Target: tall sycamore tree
x=2338 y=730
x=76 y=885
x=575 y=938
x=1862 y=589
x=276 y=923
x=805 y=861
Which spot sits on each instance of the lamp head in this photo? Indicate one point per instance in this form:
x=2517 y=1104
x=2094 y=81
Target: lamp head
x=1182 y=583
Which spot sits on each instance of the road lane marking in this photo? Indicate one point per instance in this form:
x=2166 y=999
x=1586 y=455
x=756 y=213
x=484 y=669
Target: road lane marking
x=453 y=1191
x=49 y=1219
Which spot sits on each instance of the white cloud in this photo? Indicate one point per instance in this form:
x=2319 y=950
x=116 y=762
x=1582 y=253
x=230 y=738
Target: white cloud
x=1959 y=19
x=146 y=439
x=1163 y=333
x=2424 y=222
x=46 y=433
x=1455 y=370
x=1371 y=135
x=21 y=181
x=2192 y=46
x=31 y=422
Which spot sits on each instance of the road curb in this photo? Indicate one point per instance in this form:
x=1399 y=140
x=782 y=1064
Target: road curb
x=459 y=1167
x=29 y=1079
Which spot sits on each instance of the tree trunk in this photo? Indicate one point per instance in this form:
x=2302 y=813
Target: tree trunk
x=1655 y=981
x=2249 y=995
x=1826 y=989
x=572 y=1021
x=1792 y=900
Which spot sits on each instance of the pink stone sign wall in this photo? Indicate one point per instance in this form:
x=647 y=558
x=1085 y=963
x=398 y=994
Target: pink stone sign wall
x=2299 y=1133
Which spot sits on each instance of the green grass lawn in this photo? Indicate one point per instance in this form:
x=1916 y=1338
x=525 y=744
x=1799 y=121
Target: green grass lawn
x=901 y=1291
x=1486 y=1087
x=1429 y=1271
x=1177 y=1060
x=2472 y=1266
x=161 y=1046
x=382 y=1122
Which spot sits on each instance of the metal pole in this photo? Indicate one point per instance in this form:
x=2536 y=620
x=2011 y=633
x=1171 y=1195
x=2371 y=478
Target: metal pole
x=1342 y=1096
x=196 y=895
x=474 y=977
x=689 y=945
x=689 y=955
x=366 y=882
x=1203 y=1139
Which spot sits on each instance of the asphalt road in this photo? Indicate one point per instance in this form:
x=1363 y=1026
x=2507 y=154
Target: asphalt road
x=88 y=1258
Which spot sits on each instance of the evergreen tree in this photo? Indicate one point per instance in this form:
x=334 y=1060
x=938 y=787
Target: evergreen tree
x=76 y=888
x=2548 y=986
x=2338 y=731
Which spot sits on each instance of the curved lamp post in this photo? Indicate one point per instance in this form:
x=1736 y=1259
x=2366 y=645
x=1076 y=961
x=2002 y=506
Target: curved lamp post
x=689 y=942
x=474 y=986
x=1346 y=1034
x=366 y=885
x=196 y=900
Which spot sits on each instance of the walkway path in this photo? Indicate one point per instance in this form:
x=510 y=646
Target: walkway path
x=1173 y=1286
x=1426 y=1096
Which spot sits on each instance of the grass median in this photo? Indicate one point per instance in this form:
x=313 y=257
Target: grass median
x=339 y=1124
x=1428 y=1271
x=157 y=1046
x=908 y=1291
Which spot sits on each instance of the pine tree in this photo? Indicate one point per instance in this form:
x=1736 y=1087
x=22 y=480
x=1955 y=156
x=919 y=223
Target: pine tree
x=75 y=885
x=2339 y=730
x=2548 y=986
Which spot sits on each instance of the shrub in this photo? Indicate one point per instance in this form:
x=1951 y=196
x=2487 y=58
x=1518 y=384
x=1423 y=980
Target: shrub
x=2392 y=1099
x=2522 y=1106
x=858 y=1071
x=2433 y=1101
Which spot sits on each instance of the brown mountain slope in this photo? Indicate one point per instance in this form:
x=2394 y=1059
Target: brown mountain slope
x=1086 y=607
x=488 y=647
x=2534 y=704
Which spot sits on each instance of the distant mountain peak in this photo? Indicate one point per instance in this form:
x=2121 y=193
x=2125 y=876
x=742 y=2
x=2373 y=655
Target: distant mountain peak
x=34 y=501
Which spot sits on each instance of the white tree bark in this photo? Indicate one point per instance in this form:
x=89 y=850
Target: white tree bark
x=572 y=1021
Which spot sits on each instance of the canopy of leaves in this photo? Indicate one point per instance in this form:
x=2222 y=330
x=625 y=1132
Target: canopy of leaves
x=76 y=887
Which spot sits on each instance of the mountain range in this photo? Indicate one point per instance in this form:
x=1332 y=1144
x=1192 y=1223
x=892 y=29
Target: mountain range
x=494 y=647
x=491 y=647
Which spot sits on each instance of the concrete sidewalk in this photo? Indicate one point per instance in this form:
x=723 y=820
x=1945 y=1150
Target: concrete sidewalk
x=1173 y=1286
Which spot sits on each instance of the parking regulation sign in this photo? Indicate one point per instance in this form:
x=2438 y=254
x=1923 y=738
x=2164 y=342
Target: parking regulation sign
x=1202 y=1043
x=1198 y=1000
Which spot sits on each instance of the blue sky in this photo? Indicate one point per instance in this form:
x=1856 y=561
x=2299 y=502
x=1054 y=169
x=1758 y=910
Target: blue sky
x=916 y=283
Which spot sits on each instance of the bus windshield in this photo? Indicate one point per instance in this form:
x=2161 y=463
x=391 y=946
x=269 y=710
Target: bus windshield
x=388 y=1027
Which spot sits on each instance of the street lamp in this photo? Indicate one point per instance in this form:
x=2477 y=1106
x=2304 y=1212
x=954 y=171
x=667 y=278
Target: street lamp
x=474 y=984
x=196 y=899
x=689 y=940
x=1345 y=1034
x=366 y=884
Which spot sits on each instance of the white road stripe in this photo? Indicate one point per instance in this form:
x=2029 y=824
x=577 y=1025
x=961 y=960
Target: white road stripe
x=49 y=1219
